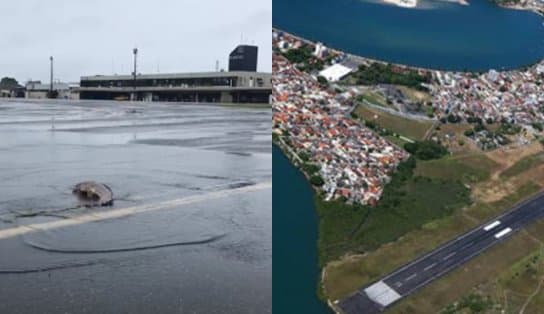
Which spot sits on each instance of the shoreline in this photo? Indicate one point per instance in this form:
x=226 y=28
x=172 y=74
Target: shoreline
x=369 y=60
x=536 y=10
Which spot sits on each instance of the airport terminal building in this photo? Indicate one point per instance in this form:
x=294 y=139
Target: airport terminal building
x=243 y=58
x=226 y=87
x=241 y=84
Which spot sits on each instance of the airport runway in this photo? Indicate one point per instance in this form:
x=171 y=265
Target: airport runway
x=375 y=298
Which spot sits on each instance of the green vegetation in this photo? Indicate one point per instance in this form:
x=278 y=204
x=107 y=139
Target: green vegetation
x=304 y=58
x=375 y=99
x=346 y=275
x=316 y=180
x=378 y=73
x=304 y=156
x=473 y=119
x=426 y=150
x=469 y=169
x=508 y=285
x=396 y=139
x=509 y=129
x=474 y=303
x=322 y=80
x=8 y=83
x=408 y=202
x=413 y=129
x=300 y=55
x=538 y=126
x=451 y=118
x=523 y=165
x=310 y=169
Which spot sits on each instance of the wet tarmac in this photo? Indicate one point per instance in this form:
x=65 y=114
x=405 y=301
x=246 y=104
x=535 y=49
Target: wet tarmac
x=190 y=228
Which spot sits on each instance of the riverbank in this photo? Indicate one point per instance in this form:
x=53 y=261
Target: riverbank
x=535 y=6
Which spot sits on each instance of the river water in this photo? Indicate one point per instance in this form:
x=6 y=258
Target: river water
x=440 y=34
x=296 y=274
x=190 y=230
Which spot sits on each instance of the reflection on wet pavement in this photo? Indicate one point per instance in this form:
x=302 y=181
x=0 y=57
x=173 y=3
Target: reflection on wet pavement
x=191 y=217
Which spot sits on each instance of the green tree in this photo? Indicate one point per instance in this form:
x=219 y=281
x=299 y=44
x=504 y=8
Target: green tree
x=317 y=180
x=8 y=83
x=322 y=80
x=426 y=150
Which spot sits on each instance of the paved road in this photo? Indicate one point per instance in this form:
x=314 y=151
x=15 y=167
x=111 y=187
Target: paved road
x=405 y=280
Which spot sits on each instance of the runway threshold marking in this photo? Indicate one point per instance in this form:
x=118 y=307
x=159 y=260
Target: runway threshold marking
x=503 y=232
x=382 y=294
x=123 y=212
x=492 y=225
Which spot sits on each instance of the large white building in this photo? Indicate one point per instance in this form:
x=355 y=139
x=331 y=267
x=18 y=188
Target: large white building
x=37 y=90
x=335 y=72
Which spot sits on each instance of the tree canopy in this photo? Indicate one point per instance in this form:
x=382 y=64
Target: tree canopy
x=8 y=83
x=378 y=73
x=426 y=150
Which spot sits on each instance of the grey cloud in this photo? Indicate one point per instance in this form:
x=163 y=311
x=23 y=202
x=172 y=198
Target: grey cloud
x=96 y=37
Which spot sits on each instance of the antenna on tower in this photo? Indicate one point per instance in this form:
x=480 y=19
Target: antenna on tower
x=216 y=65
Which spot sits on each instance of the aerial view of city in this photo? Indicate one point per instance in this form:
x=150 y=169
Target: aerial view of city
x=409 y=138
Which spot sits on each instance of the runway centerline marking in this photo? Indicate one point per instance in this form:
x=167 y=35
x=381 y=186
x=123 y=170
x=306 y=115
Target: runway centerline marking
x=449 y=256
x=429 y=267
x=467 y=246
x=411 y=277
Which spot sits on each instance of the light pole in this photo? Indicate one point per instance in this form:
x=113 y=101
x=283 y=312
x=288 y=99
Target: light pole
x=135 y=52
x=51 y=78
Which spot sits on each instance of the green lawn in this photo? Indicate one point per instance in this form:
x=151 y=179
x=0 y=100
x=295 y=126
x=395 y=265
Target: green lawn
x=407 y=127
x=523 y=165
x=375 y=99
x=469 y=169
x=408 y=203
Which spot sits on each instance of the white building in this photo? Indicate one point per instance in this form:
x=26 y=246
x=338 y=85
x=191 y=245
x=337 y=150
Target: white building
x=335 y=72
x=320 y=50
x=37 y=90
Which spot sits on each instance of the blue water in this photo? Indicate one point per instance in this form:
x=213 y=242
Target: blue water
x=294 y=240
x=442 y=35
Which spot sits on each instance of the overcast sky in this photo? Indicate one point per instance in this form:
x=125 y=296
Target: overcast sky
x=97 y=37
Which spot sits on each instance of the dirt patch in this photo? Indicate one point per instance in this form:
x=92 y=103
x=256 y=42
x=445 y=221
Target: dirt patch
x=508 y=156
